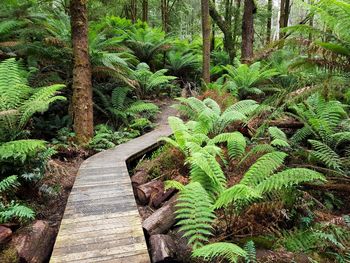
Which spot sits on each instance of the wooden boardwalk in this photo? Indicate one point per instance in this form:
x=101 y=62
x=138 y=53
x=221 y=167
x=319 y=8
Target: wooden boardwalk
x=101 y=222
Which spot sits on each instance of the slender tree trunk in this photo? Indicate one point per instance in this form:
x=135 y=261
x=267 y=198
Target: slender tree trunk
x=206 y=40
x=226 y=29
x=284 y=16
x=82 y=87
x=145 y=11
x=269 y=24
x=248 y=31
x=236 y=23
x=165 y=14
x=133 y=10
x=212 y=43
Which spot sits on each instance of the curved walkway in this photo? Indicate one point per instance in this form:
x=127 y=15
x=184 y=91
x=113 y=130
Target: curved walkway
x=101 y=222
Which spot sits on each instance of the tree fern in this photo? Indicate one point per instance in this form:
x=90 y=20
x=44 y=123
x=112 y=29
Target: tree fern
x=220 y=250
x=17 y=96
x=195 y=214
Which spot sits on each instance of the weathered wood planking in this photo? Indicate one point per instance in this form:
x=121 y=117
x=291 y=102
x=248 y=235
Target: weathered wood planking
x=101 y=222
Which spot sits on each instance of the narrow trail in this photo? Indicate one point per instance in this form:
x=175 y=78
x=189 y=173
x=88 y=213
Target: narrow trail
x=101 y=222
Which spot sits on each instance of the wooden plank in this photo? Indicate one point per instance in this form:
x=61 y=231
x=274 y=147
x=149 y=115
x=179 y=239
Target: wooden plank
x=101 y=222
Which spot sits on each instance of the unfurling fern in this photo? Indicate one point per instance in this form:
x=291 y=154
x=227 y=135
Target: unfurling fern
x=220 y=250
x=195 y=214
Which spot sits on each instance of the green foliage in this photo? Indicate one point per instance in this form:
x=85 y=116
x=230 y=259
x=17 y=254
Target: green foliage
x=15 y=211
x=105 y=138
x=223 y=250
x=260 y=180
x=9 y=184
x=148 y=82
x=122 y=110
x=20 y=150
x=182 y=65
x=243 y=79
x=279 y=137
x=209 y=117
x=249 y=248
x=146 y=43
x=18 y=101
x=195 y=214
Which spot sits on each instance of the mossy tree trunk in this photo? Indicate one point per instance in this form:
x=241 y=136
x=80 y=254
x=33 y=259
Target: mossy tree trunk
x=269 y=21
x=284 y=16
x=248 y=31
x=206 y=40
x=145 y=10
x=82 y=87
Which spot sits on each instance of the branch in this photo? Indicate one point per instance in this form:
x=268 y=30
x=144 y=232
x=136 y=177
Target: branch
x=219 y=20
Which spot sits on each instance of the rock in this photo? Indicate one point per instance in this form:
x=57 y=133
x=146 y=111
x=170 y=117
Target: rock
x=5 y=235
x=162 y=248
x=34 y=244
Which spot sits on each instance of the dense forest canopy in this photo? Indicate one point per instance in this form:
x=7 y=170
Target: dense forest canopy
x=259 y=159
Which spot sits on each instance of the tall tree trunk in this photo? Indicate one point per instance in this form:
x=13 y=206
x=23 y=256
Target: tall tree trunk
x=226 y=29
x=165 y=18
x=269 y=24
x=82 y=87
x=212 y=43
x=248 y=31
x=133 y=10
x=284 y=16
x=206 y=40
x=236 y=23
x=145 y=10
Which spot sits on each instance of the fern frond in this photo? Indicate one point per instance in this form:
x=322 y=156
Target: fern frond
x=9 y=183
x=249 y=247
x=288 y=178
x=194 y=210
x=220 y=250
x=324 y=154
x=238 y=192
x=15 y=211
x=20 y=149
x=263 y=168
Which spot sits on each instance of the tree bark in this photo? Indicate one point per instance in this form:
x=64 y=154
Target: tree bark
x=269 y=24
x=162 y=248
x=133 y=10
x=248 y=31
x=206 y=40
x=164 y=9
x=82 y=87
x=145 y=11
x=226 y=29
x=284 y=16
x=236 y=23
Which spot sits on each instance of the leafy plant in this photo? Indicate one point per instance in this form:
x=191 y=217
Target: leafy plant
x=122 y=110
x=243 y=79
x=19 y=102
x=209 y=117
x=148 y=82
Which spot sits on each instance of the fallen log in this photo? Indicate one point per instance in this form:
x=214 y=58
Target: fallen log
x=162 y=219
x=264 y=255
x=140 y=177
x=327 y=187
x=148 y=190
x=162 y=248
x=286 y=124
